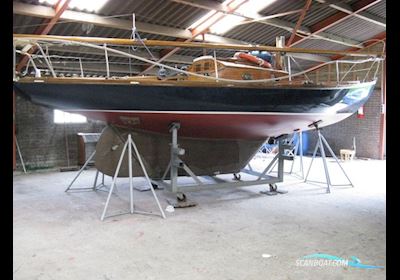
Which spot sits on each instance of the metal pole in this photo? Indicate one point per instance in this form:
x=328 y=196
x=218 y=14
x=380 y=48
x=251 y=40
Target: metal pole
x=215 y=65
x=328 y=180
x=130 y=171
x=107 y=66
x=174 y=168
x=47 y=61
x=299 y=148
x=382 y=129
x=312 y=160
x=280 y=159
x=14 y=126
x=14 y=61
x=114 y=180
x=337 y=71
x=301 y=153
x=80 y=171
x=80 y=64
x=289 y=69
x=95 y=180
x=336 y=159
x=294 y=155
x=20 y=155
x=166 y=171
x=272 y=163
x=147 y=177
x=133 y=26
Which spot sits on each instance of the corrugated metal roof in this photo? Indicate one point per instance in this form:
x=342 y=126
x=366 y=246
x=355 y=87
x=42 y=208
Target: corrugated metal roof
x=320 y=44
x=282 y=6
x=378 y=9
x=80 y=29
x=356 y=29
x=316 y=12
x=166 y=13
x=256 y=33
x=24 y=24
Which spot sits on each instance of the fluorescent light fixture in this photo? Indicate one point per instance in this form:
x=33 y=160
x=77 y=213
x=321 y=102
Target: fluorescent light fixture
x=88 y=5
x=63 y=117
x=249 y=8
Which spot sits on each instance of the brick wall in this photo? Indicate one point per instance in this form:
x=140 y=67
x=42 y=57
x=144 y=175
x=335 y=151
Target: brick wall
x=42 y=142
x=366 y=131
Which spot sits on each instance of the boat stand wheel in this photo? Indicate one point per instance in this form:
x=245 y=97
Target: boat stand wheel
x=273 y=187
x=237 y=176
x=181 y=197
x=273 y=190
x=182 y=201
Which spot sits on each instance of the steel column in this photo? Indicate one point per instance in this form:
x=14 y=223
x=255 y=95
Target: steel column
x=382 y=132
x=14 y=136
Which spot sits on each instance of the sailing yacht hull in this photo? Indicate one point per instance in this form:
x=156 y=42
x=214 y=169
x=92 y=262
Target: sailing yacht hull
x=203 y=112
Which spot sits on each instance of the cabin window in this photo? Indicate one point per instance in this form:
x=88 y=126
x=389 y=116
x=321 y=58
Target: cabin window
x=64 y=117
x=207 y=66
x=197 y=67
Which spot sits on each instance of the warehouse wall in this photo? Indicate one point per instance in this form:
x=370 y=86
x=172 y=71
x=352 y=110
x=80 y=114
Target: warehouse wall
x=366 y=131
x=42 y=142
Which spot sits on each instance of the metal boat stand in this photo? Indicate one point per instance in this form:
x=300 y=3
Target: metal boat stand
x=129 y=143
x=320 y=145
x=285 y=149
x=298 y=147
x=95 y=187
x=217 y=182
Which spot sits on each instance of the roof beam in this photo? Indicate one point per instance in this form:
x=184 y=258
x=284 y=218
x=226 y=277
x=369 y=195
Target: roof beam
x=370 y=42
x=211 y=5
x=72 y=16
x=202 y=4
x=299 y=22
x=59 y=9
x=288 y=26
x=272 y=20
x=336 y=18
x=343 y=7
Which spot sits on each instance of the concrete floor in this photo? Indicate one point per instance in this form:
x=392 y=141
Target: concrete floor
x=59 y=235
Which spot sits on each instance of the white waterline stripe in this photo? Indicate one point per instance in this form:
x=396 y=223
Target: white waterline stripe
x=201 y=112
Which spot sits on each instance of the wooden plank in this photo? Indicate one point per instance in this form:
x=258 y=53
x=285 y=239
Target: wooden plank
x=121 y=41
